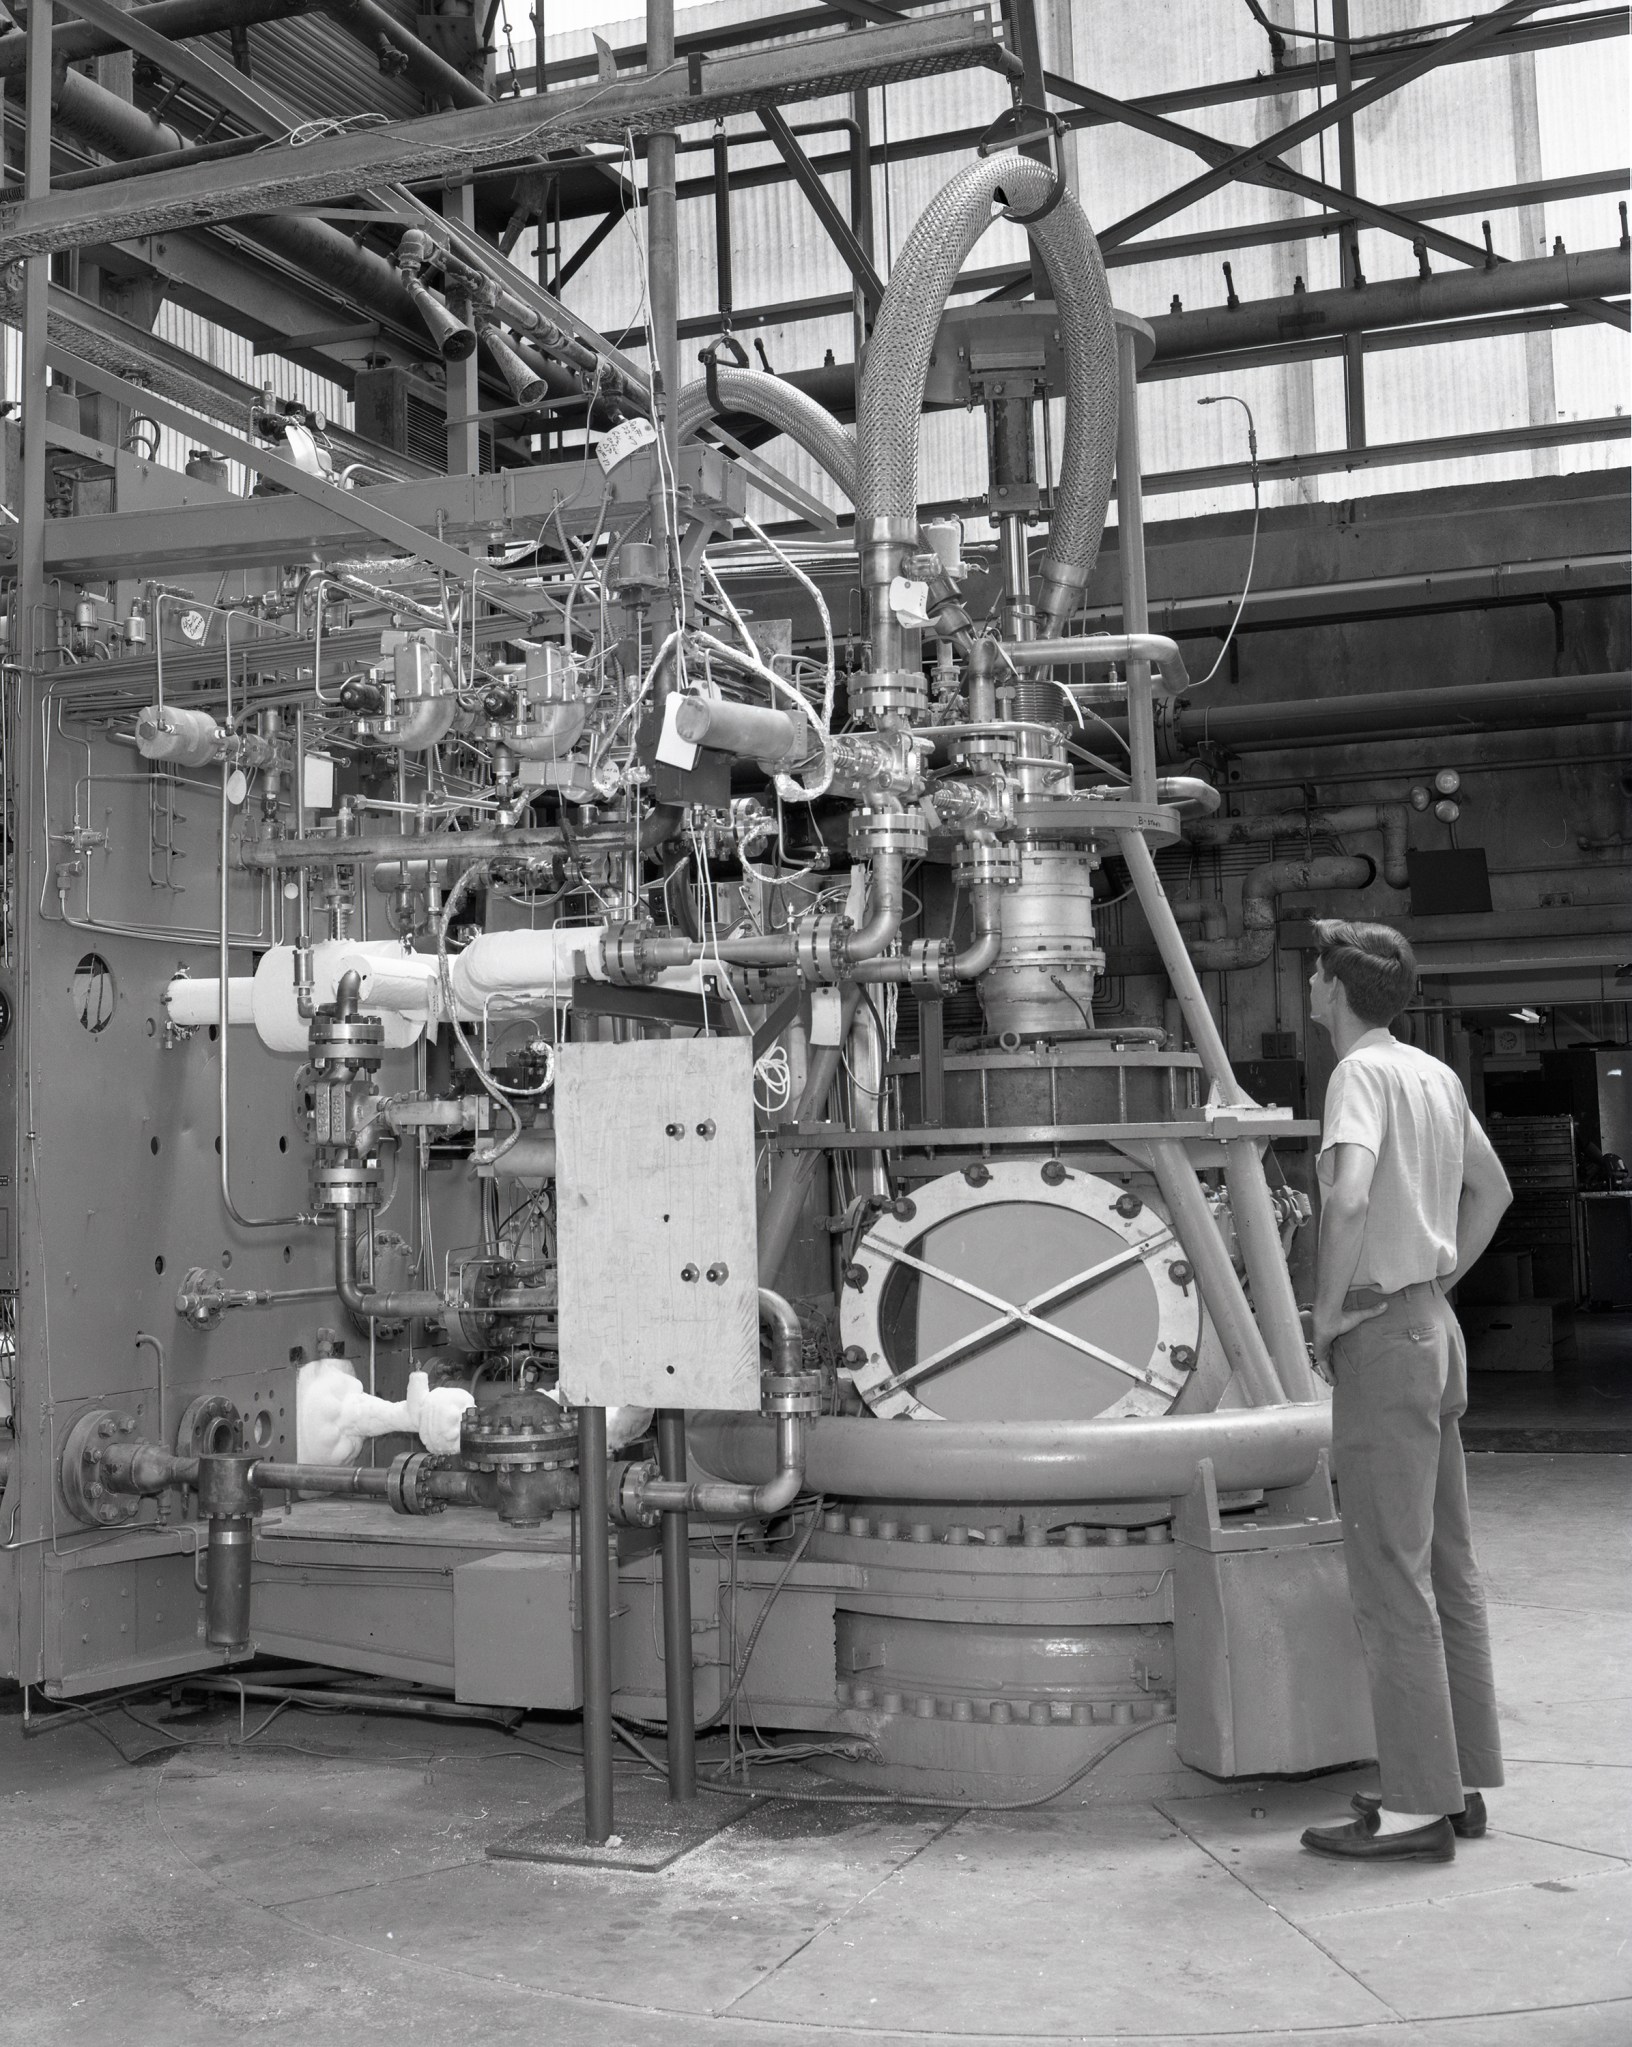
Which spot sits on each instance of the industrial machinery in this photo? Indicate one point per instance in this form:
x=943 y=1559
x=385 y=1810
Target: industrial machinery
x=565 y=1151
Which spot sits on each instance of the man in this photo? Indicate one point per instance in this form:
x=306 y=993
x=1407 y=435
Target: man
x=1411 y=1195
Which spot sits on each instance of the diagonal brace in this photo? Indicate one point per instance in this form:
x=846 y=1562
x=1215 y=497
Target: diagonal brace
x=1021 y=1314
x=1050 y=1297
x=808 y=178
x=1241 y=161
x=353 y=506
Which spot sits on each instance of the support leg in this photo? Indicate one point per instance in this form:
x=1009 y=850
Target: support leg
x=679 y=1685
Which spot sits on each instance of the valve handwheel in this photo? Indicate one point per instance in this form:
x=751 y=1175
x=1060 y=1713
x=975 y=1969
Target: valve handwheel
x=1031 y=1296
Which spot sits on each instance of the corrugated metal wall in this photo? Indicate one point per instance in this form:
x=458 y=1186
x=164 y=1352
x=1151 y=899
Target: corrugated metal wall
x=1462 y=129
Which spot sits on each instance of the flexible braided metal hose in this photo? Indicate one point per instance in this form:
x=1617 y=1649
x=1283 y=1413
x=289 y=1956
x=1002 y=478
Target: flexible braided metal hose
x=783 y=406
x=892 y=384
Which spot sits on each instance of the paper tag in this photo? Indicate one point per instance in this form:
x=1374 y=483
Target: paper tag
x=826 y=1016
x=909 y=600
x=672 y=750
x=319 y=782
x=622 y=441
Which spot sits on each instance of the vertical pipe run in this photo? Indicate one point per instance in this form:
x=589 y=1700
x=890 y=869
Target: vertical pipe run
x=595 y=1619
x=679 y=1685
x=1130 y=545
x=230 y=1558
x=464 y=383
x=1348 y=240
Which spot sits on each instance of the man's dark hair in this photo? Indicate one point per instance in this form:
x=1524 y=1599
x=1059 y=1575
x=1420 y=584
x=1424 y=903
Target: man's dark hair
x=1374 y=962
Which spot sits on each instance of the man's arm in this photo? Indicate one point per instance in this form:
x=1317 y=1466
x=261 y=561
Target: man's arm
x=1485 y=1199
x=1342 y=1234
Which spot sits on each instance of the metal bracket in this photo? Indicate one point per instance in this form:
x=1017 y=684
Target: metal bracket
x=1024 y=127
x=710 y=360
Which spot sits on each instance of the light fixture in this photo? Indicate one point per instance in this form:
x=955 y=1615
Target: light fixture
x=1525 y=1015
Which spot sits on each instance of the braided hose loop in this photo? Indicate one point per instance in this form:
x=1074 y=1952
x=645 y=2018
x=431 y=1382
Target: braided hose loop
x=892 y=383
x=781 y=405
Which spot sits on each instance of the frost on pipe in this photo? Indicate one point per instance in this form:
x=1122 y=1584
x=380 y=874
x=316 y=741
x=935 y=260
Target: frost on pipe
x=1060 y=1463
x=403 y=988
x=892 y=384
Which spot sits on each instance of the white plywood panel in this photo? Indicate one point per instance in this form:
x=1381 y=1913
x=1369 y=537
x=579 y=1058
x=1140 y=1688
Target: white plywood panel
x=656 y=1226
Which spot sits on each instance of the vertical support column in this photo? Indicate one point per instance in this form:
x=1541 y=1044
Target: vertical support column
x=861 y=208
x=722 y=225
x=464 y=378
x=595 y=1620
x=1272 y=1294
x=679 y=1686
x=1348 y=241
x=663 y=292
x=1130 y=544
x=36 y=301
x=1220 y=1289
x=931 y=1062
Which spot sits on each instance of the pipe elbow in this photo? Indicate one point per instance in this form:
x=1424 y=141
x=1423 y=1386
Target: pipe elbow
x=884 y=920
x=1392 y=822
x=980 y=957
x=779 y=1316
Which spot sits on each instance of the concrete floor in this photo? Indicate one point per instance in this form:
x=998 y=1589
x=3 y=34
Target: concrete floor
x=329 y=1884
x=1584 y=1403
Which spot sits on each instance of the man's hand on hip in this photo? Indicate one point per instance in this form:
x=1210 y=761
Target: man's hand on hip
x=1329 y=1326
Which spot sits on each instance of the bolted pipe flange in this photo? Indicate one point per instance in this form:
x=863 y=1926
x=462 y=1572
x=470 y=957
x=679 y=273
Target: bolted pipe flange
x=84 y=1484
x=627 y=1495
x=930 y=964
x=888 y=831
x=623 y=956
x=881 y=693
x=818 y=947
x=344 y=1183
x=405 y=1484
x=334 y=1040
x=518 y=1432
x=790 y=1393
x=226 y=1485
x=986 y=863
x=209 y=1426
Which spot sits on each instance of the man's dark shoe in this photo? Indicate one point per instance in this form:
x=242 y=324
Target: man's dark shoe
x=1359 y=1841
x=1467 y=1825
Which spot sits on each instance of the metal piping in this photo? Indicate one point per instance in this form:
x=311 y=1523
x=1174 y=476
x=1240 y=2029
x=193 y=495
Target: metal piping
x=1057 y=1462
x=743 y=1502
x=975 y=959
x=1256 y=941
x=179 y=20
x=792 y=1172
x=223 y=1035
x=1466 y=708
x=369 y=1304
x=892 y=384
x=1391 y=819
x=1102 y=650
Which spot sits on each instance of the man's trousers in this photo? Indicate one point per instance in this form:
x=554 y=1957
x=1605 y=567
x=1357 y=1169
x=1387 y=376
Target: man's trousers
x=1401 y=1386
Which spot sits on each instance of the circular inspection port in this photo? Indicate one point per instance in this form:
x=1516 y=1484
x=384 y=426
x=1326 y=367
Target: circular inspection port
x=261 y=1429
